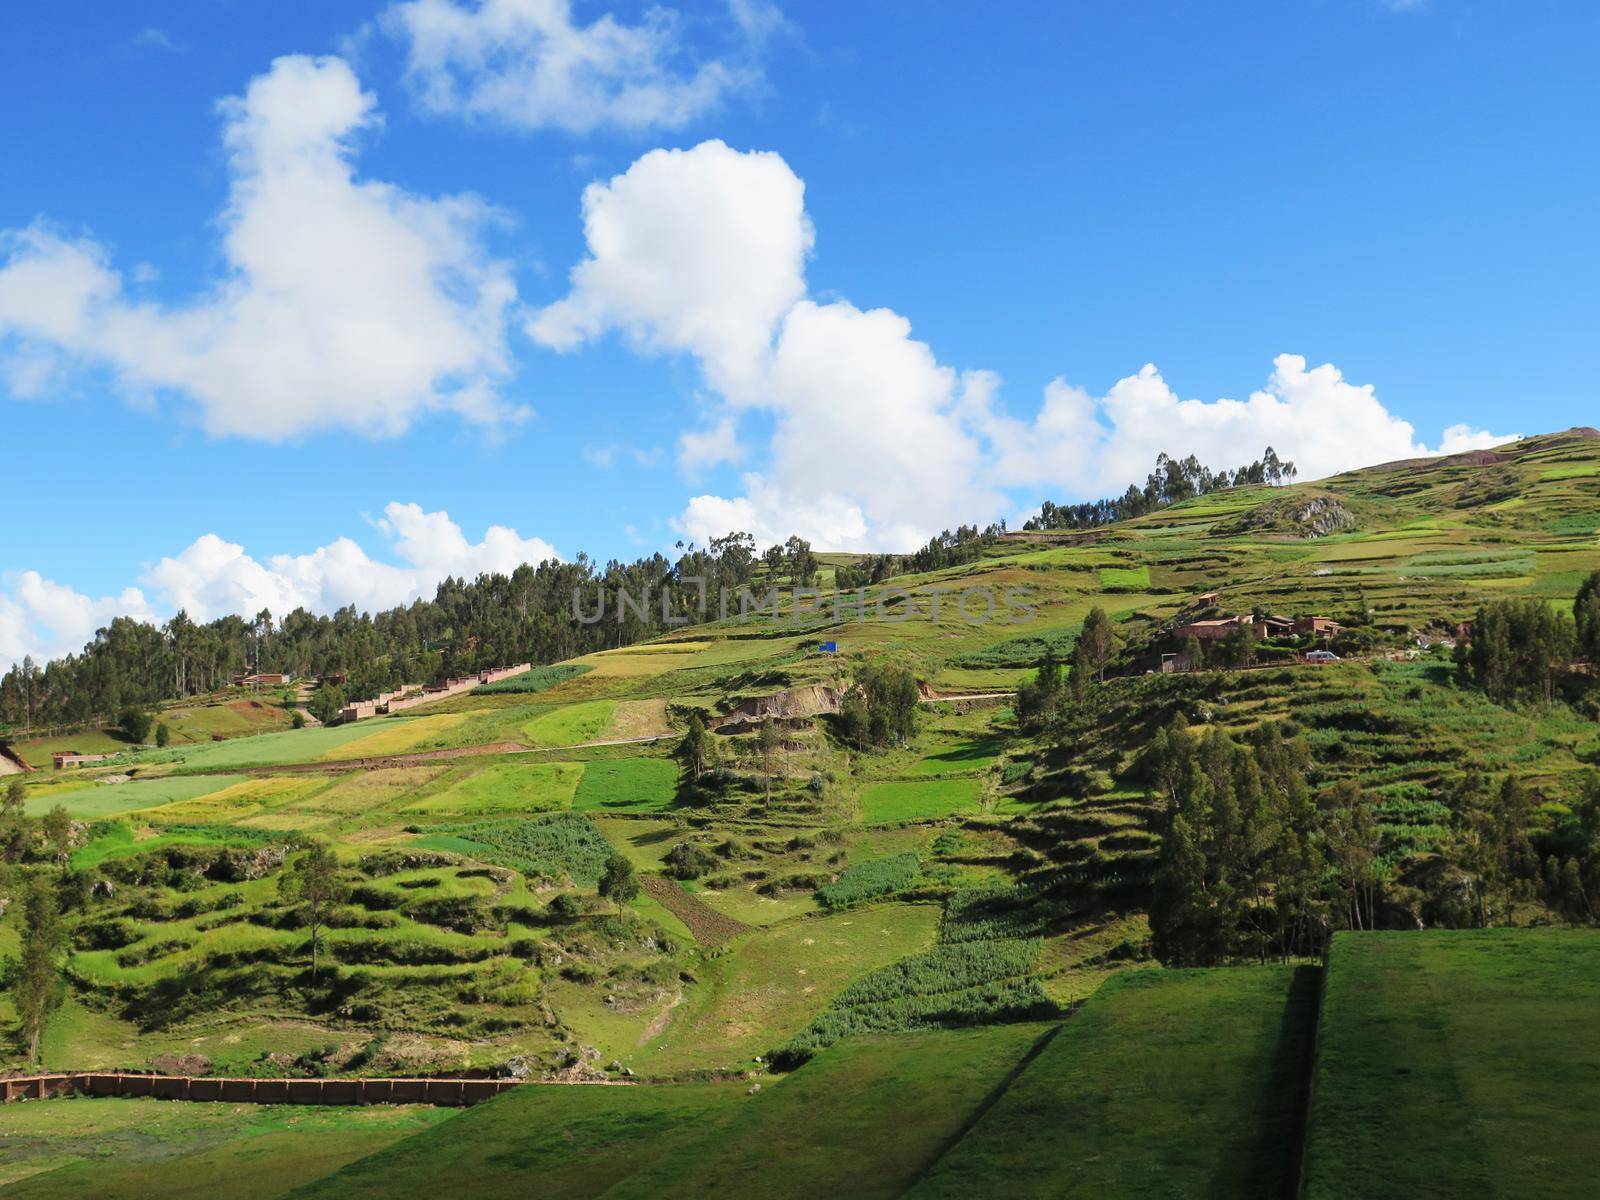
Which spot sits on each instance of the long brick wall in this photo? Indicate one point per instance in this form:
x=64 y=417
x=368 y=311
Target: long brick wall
x=393 y=702
x=443 y=1092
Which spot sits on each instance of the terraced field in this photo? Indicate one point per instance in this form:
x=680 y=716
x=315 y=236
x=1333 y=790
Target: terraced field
x=923 y=952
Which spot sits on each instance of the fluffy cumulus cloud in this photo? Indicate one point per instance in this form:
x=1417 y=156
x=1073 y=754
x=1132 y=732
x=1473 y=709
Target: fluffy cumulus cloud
x=212 y=577
x=528 y=64
x=698 y=250
x=875 y=443
x=1314 y=416
x=346 y=303
x=45 y=619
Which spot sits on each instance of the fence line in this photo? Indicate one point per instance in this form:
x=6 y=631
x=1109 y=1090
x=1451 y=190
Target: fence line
x=442 y=1092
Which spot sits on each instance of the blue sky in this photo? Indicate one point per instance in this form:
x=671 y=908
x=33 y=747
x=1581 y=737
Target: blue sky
x=932 y=297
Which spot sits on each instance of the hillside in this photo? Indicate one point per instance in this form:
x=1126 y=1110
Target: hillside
x=823 y=891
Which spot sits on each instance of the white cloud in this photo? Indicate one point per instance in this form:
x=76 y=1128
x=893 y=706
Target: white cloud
x=1086 y=445
x=606 y=456
x=153 y=37
x=1460 y=438
x=212 y=577
x=45 y=619
x=701 y=449
x=875 y=443
x=528 y=64
x=698 y=250
x=346 y=303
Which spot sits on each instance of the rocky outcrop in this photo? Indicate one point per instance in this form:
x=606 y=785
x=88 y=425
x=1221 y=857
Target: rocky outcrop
x=810 y=701
x=1292 y=516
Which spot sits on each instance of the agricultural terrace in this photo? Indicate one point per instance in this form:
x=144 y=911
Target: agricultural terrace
x=555 y=880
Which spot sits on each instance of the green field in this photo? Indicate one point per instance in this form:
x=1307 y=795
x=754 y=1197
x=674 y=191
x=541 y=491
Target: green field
x=135 y=1149
x=1182 y=1083
x=775 y=979
x=886 y=803
x=504 y=790
x=107 y=799
x=1457 y=1064
x=586 y=722
x=265 y=750
x=864 y=1119
x=574 y=1141
x=627 y=785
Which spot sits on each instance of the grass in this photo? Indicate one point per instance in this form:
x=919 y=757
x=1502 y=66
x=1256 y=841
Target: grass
x=237 y=802
x=265 y=750
x=109 y=799
x=1166 y=1083
x=389 y=736
x=1457 y=1063
x=553 y=1142
x=886 y=803
x=540 y=679
x=627 y=785
x=1125 y=579
x=769 y=983
x=571 y=725
x=865 y=1119
x=975 y=755
x=504 y=789
x=350 y=797
x=134 y=1149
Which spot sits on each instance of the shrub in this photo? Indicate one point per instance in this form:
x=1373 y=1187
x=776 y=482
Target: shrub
x=688 y=861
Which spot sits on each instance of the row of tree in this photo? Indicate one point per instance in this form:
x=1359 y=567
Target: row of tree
x=530 y=615
x=948 y=549
x=1172 y=481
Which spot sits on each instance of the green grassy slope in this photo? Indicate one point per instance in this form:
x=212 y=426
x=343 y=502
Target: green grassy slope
x=1457 y=1064
x=864 y=1119
x=135 y=1149
x=1170 y=1083
x=553 y=1142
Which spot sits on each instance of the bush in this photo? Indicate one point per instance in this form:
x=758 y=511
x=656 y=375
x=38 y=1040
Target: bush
x=135 y=725
x=688 y=861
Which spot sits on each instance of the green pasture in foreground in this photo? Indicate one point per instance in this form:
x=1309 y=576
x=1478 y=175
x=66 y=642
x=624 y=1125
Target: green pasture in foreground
x=136 y=1149
x=574 y=1141
x=919 y=800
x=1165 y=1083
x=1457 y=1064
x=864 y=1120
